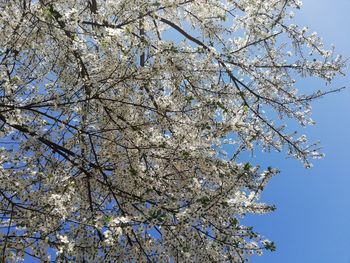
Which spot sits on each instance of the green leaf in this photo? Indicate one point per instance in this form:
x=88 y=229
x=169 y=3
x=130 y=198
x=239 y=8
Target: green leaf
x=270 y=245
x=247 y=166
x=204 y=200
x=189 y=98
x=186 y=154
x=107 y=220
x=221 y=106
x=234 y=221
x=133 y=171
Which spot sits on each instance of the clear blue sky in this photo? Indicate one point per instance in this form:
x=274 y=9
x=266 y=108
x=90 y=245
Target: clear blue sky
x=312 y=220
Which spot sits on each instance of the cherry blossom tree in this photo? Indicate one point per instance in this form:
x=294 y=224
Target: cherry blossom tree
x=123 y=123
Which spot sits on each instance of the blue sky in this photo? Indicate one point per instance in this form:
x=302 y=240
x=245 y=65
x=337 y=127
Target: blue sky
x=312 y=220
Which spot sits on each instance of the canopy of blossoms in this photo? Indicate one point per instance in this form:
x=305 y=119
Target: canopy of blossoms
x=114 y=118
